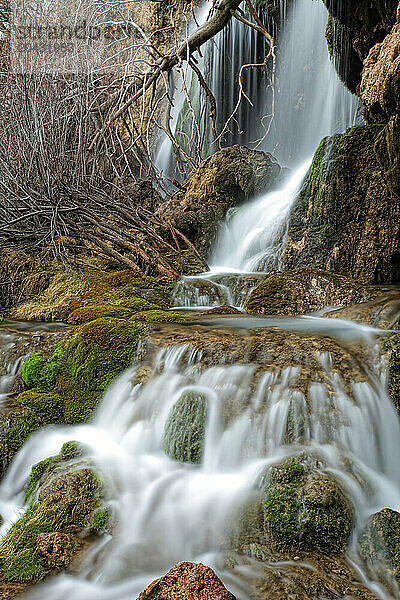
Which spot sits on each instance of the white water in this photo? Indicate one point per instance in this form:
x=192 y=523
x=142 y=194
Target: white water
x=167 y=511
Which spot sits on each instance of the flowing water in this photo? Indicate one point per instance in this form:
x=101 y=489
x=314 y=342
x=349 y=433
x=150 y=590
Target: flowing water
x=166 y=511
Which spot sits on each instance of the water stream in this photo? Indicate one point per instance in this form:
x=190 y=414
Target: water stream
x=167 y=511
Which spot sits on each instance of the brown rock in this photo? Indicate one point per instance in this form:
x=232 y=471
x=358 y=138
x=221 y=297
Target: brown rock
x=222 y=310
x=56 y=548
x=380 y=84
x=187 y=581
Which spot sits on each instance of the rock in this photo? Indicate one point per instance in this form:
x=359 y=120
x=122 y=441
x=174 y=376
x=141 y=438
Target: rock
x=380 y=544
x=392 y=347
x=56 y=548
x=222 y=310
x=46 y=536
x=304 y=291
x=379 y=89
x=354 y=29
x=185 y=428
x=225 y=179
x=187 y=581
x=346 y=219
x=305 y=510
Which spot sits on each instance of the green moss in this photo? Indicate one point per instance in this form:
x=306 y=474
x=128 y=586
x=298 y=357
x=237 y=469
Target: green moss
x=305 y=510
x=73 y=450
x=159 y=316
x=32 y=369
x=81 y=368
x=46 y=405
x=392 y=347
x=36 y=473
x=14 y=432
x=93 y=312
x=101 y=518
x=185 y=428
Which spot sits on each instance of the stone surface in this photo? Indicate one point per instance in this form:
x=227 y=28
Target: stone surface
x=224 y=180
x=380 y=543
x=187 y=581
x=346 y=218
x=56 y=548
x=379 y=89
x=304 y=291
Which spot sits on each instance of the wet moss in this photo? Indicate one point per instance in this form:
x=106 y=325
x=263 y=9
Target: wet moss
x=32 y=369
x=81 y=368
x=101 y=518
x=37 y=472
x=93 y=312
x=65 y=502
x=160 y=316
x=185 y=428
x=305 y=510
x=392 y=347
x=14 y=431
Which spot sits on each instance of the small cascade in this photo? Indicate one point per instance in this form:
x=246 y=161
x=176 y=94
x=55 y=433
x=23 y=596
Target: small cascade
x=167 y=511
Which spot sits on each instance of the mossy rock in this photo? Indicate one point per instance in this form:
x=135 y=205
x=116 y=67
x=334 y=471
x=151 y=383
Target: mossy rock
x=16 y=425
x=305 y=510
x=160 y=316
x=304 y=291
x=346 y=218
x=185 y=428
x=66 y=501
x=392 y=347
x=224 y=180
x=379 y=544
x=93 y=312
x=32 y=369
x=83 y=365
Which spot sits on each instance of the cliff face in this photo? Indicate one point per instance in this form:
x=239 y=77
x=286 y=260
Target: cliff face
x=355 y=27
x=346 y=218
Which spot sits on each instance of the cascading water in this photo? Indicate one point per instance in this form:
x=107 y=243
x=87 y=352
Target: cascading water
x=166 y=511
x=310 y=103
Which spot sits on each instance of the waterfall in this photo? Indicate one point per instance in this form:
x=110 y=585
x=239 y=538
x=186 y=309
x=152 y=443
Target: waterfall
x=167 y=511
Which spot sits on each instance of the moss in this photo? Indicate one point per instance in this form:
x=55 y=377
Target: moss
x=185 y=428
x=32 y=369
x=159 y=316
x=101 y=518
x=66 y=501
x=14 y=432
x=392 y=347
x=73 y=450
x=306 y=510
x=46 y=405
x=93 y=312
x=36 y=473
x=81 y=368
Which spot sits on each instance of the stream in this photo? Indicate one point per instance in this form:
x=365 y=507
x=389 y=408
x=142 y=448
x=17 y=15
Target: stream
x=167 y=511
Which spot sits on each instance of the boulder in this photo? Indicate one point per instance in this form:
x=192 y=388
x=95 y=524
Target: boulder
x=305 y=510
x=346 y=218
x=185 y=428
x=224 y=180
x=187 y=580
x=304 y=291
x=380 y=543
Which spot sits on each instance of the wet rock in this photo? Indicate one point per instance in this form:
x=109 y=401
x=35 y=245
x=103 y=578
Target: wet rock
x=304 y=291
x=379 y=89
x=185 y=428
x=354 y=29
x=305 y=510
x=224 y=180
x=380 y=544
x=222 y=310
x=56 y=548
x=187 y=580
x=392 y=347
x=346 y=218
x=382 y=312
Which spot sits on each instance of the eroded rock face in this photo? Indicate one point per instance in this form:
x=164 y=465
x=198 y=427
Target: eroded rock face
x=379 y=543
x=380 y=84
x=304 y=291
x=187 y=580
x=355 y=28
x=347 y=216
x=224 y=180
